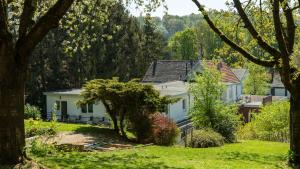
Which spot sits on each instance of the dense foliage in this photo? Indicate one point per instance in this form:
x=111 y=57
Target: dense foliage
x=184 y=45
x=36 y=128
x=205 y=138
x=209 y=109
x=32 y=112
x=271 y=124
x=123 y=101
x=257 y=81
x=164 y=130
x=107 y=42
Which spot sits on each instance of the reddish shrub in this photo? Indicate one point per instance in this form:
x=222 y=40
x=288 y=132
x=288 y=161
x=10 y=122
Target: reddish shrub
x=164 y=130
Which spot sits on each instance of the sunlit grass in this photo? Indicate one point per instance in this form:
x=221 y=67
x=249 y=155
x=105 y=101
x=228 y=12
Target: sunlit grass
x=243 y=155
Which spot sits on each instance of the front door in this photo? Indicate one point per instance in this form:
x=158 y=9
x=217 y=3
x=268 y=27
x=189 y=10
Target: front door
x=64 y=110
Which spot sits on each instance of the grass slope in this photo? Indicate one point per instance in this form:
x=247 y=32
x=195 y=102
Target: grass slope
x=244 y=155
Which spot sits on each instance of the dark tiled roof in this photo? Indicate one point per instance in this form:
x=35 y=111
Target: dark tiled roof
x=240 y=73
x=168 y=70
x=227 y=75
x=172 y=70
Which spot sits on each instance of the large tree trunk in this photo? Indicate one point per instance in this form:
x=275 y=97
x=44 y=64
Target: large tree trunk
x=295 y=127
x=12 y=139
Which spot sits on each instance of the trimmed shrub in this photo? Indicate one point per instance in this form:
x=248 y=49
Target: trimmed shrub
x=32 y=112
x=164 y=131
x=206 y=138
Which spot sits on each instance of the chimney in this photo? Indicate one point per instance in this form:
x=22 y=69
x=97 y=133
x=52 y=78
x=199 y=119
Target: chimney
x=154 y=67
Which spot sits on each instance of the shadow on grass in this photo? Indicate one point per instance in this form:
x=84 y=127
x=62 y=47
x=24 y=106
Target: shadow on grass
x=95 y=130
x=267 y=159
x=99 y=160
x=103 y=134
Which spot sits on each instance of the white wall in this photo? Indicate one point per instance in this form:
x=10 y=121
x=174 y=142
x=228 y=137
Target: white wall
x=232 y=93
x=176 y=111
x=73 y=111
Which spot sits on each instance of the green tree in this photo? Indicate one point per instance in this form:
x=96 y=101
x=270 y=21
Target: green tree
x=280 y=18
x=14 y=55
x=184 y=44
x=23 y=24
x=256 y=83
x=126 y=100
x=209 y=111
x=153 y=43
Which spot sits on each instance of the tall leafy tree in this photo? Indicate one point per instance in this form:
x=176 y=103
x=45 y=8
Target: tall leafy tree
x=14 y=56
x=153 y=44
x=184 y=45
x=257 y=82
x=20 y=31
x=280 y=53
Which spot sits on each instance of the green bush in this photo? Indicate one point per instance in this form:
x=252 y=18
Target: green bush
x=35 y=128
x=271 y=124
x=227 y=122
x=41 y=149
x=206 y=138
x=247 y=132
x=141 y=127
x=32 y=112
x=164 y=130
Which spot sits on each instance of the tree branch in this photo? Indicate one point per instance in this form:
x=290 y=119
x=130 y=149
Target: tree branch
x=253 y=31
x=246 y=54
x=278 y=29
x=47 y=22
x=26 y=17
x=285 y=67
x=291 y=26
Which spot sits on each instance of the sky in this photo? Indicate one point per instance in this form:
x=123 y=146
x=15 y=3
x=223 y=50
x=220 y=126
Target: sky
x=182 y=7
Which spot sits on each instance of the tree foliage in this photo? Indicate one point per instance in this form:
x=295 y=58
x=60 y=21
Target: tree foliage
x=122 y=48
x=271 y=124
x=209 y=111
x=130 y=101
x=257 y=81
x=184 y=45
x=275 y=32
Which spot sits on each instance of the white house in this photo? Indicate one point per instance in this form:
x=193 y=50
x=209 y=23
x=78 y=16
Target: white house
x=177 y=89
x=67 y=110
x=96 y=113
x=164 y=71
x=170 y=78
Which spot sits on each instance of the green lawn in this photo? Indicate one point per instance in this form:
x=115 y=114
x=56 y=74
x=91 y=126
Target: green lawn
x=60 y=126
x=247 y=154
x=243 y=155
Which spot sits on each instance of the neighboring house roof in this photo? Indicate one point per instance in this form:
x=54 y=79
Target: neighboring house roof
x=162 y=71
x=65 y=92
x=227 y=75
x=277 y=81
x=240 y=73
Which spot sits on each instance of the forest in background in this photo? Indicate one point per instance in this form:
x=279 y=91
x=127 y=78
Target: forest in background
x=118 y=44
